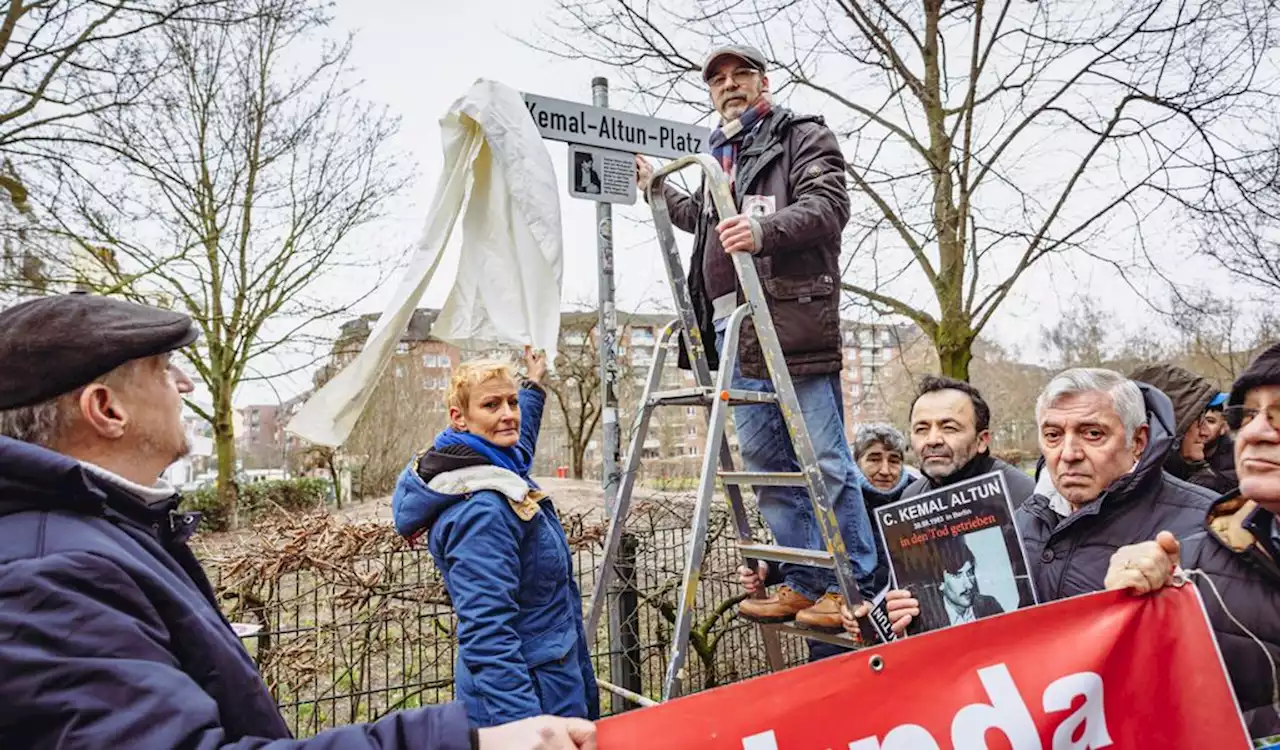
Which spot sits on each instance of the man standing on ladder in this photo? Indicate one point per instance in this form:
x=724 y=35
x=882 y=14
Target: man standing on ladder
x=788 y=179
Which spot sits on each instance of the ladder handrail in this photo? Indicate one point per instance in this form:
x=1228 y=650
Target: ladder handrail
x=716 y=187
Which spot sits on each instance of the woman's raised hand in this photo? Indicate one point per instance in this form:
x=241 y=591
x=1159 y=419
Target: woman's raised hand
x=535 y=363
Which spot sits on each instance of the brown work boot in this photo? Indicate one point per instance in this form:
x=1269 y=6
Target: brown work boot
x=824 y=616
x=782 y=606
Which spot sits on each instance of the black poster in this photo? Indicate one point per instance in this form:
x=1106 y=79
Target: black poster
x=958 y=552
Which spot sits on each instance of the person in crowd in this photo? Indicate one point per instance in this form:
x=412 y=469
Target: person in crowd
x=110 y=634
x=1236 y=548
x=879 y=450
x=1192 y=396
x=1105 y=440
x=497 y=540
x=787 y=175
x=951 y=435
x=1220 y=451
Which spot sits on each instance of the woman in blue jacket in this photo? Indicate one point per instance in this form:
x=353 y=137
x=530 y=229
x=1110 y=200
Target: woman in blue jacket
x=498 y=541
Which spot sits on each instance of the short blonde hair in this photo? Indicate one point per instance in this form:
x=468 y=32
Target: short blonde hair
x=468 y=375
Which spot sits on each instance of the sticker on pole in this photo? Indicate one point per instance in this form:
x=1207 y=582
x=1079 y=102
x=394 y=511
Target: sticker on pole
x=602 y=175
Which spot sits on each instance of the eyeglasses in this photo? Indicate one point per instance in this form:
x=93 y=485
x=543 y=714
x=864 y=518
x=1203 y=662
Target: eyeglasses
x=740 y=76
x=1239 y=416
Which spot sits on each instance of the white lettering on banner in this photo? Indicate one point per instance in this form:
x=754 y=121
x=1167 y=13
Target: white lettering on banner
x=1007 y=713
x=1059 y=696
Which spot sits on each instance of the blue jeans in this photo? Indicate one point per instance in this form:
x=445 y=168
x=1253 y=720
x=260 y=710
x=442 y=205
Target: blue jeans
x=766 y=447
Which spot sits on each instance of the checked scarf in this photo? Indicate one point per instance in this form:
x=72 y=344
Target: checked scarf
x=726 y=138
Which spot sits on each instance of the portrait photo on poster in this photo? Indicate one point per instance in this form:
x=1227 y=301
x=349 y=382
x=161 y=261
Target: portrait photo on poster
x=586 y=177
x=602 y=175
x=958 y=552
x=977 y=581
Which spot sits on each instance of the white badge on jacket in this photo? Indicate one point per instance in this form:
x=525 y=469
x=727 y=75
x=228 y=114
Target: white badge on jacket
x=759 y=205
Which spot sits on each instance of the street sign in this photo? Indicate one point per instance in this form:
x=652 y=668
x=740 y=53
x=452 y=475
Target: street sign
x=559 y=120
x=599 y=174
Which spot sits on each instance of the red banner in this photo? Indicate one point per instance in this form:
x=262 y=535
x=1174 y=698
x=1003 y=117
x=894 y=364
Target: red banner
x=1106 y=670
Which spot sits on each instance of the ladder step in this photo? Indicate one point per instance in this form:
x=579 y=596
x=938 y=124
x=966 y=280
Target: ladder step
x=764 y=478
x=702 y=396
x=794 y=555
x=839 y=639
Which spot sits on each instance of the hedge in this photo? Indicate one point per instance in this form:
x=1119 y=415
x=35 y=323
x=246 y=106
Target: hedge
x=258 y=498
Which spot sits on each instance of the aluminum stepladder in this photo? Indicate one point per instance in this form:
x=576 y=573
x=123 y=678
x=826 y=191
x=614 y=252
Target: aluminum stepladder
x=713 y=390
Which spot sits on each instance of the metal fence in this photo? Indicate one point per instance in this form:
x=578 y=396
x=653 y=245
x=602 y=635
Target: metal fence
x=349 y=639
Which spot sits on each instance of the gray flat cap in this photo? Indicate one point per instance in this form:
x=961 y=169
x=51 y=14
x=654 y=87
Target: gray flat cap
x=745 y=52
x=54 y=345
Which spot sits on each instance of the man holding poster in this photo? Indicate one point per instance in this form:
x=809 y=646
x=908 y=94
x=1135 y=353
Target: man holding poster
x=955 y=554
x=1105 y=439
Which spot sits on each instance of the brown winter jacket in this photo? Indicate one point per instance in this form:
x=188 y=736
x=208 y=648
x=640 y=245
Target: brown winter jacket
x=796 y=160
x=1190 y=395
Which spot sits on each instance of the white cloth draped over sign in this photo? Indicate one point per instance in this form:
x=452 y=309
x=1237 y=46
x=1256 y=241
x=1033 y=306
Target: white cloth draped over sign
x=507 y=288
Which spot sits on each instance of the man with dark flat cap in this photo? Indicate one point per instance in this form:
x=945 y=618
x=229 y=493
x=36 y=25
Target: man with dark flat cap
x=110 y=635
x=787 y=175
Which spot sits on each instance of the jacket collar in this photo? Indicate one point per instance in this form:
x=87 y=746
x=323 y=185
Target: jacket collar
x=983 y=463
x=877 y=494
x=35 y=478
x=1245 y=528
x=1241 y=524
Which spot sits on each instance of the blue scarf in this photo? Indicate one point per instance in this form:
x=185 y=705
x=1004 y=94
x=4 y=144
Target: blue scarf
x=512 y=459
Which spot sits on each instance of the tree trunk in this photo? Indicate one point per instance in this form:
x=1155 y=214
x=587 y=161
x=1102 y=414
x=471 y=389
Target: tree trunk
x=332 y=465
x=224 y=439
x=579 y=457
x=954 y=358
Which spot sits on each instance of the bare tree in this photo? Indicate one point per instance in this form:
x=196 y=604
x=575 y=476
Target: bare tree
x=1080 y=337
x=236 y=186
x=61 y=63
x=575 y=386
x=982 y=136
x=1242 y=226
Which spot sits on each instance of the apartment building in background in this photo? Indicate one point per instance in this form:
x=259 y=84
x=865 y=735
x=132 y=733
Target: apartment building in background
x=417 y=378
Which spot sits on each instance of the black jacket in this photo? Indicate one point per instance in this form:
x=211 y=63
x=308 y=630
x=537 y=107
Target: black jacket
x=110 y=636
x=1236 y=554
x=1190 y=395
x=796 y=160
x=1021 y=486
x=1221 y=455
x=1069 y=556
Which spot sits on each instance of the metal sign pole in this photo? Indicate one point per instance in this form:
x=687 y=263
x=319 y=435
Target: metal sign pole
x=611 y=447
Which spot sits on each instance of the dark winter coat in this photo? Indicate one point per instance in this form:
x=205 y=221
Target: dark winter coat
x=1069 y=556
x=522 y=649
x=1190 y=395
x=796 y=160
x=1221 y=454
x=1236 y=552
x=1020 y=485
x=110 y=635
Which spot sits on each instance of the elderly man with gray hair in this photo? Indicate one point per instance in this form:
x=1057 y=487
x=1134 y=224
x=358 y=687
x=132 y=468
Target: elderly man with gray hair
x=1105 y=439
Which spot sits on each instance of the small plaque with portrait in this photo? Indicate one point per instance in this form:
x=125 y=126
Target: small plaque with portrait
x=958 y=552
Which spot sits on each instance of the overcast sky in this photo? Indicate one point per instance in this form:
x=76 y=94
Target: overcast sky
x=418 y=57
